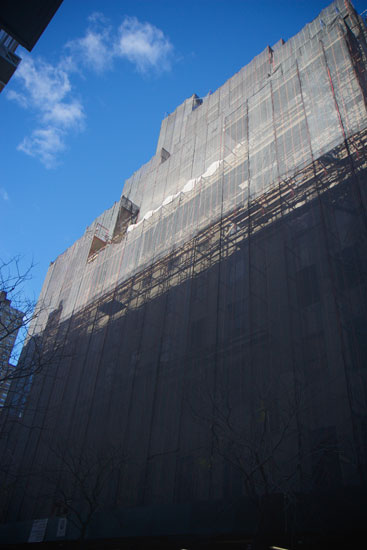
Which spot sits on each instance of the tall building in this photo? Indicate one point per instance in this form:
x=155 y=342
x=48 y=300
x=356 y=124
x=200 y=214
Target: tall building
x=11 y=320
x=210 y=326
x=21 y=22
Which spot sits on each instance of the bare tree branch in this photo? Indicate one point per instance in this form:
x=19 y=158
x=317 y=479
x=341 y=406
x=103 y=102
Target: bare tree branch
x=82 y=479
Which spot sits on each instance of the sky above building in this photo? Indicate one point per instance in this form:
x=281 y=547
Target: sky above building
x=84 y=109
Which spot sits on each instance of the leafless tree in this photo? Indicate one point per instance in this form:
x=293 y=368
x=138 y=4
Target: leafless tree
x=17 y=368
x=254 y=447
x=82 y=481
x=24 y=350
x=18 y=316
x=259 y=441
x=17 y=312
x=266 y=438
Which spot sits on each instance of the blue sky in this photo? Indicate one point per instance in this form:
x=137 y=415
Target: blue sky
x=84 y=109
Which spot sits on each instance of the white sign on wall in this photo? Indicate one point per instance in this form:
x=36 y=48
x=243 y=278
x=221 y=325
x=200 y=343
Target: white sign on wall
x=38 y=530
x=61 y=527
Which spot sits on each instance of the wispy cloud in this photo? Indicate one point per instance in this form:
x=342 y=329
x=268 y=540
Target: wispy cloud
x=44 y=144
x=144 y=45
x=140 y=43
x=3 y=194
x=18 y=98
x=93 y=50
x=47 y=91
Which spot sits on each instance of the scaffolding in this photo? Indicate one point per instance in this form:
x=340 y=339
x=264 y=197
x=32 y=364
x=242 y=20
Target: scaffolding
x=237 y=286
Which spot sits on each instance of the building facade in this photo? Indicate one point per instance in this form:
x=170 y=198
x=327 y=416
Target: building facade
x=21 y=23
x=211 y=325
x=10 y=322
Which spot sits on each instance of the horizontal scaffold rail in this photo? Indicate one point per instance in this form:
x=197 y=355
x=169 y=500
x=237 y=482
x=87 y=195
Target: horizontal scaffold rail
x=325 y=174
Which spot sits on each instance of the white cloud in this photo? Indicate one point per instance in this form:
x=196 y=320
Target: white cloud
x=46 y=90
x=18 y=98
x=93 y=50
x=3 y=194
x=44 y=83
x=144 y=45
x=45 y=144
x=66 y=115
